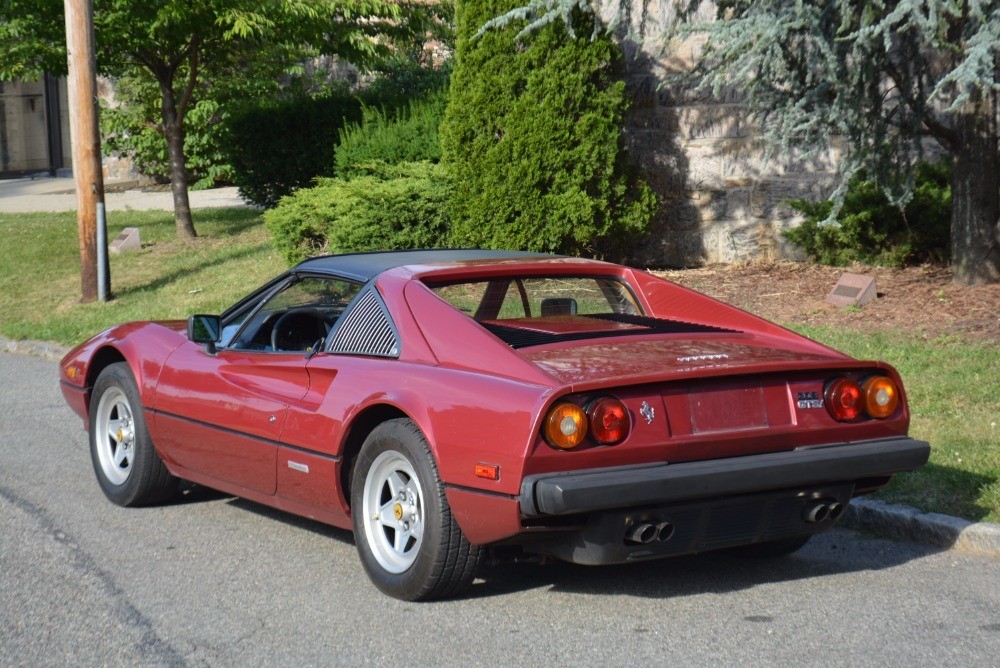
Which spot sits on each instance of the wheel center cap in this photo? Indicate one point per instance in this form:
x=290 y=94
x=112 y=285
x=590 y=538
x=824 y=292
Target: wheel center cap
x=397 y=511
x=121 y=436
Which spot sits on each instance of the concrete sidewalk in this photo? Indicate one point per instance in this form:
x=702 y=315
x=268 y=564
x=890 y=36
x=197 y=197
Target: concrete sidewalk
x=59 y=194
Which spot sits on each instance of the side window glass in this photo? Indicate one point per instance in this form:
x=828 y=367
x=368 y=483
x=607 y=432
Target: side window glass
x=296 y=319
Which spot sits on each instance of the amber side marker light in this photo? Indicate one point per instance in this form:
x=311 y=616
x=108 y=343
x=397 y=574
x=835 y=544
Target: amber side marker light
x=843 y=399
x=881 y=396
x=488 y=471
x=610 y=421
x=565 y=426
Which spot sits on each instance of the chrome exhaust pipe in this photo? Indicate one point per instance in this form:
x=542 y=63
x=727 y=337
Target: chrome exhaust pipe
x=836 y=510
x=664 y=532
x=816 y=512
x=641 y=533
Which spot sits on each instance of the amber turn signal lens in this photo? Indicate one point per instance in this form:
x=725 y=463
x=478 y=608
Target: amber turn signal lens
x=565 y=426
x=610 y=421
x=843 y=399
x=488 y=471
x=881 y=397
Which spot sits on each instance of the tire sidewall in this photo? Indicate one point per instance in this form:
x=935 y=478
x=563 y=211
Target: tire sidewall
x=119 y=376
x=414 y=582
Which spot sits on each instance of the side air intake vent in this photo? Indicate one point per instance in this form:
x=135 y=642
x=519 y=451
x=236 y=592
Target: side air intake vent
x=366 y=329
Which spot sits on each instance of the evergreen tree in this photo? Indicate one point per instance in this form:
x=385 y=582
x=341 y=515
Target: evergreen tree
x=884 y=75
x=532 y=135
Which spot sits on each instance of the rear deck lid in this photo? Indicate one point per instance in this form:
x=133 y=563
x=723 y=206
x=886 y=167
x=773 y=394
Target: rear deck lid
x=631 y=360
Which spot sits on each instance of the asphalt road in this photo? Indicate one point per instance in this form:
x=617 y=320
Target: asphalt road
x=219 y=581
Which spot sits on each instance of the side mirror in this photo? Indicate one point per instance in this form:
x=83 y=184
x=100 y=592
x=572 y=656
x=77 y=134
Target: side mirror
x=205 y=329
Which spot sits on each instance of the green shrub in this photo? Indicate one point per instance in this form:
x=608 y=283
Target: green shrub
x=409 y=134
x=279 y=147
x=126 y=131
x=382 y=207
x=870 y=230
x=398 y=83
x=532 y=134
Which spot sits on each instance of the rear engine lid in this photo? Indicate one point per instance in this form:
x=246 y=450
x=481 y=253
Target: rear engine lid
x=638 y=360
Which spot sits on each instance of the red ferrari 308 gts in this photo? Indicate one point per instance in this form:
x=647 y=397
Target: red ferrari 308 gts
x=445 y=402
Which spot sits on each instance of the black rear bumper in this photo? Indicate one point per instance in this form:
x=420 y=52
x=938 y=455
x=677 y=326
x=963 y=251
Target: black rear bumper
x=624 y=487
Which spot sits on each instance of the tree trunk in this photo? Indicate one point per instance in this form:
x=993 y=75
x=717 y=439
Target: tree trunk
x=975 y=194
x=173 y=131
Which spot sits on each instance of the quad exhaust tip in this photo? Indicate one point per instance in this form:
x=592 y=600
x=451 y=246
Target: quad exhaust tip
x=646 y=532
x=823 y=510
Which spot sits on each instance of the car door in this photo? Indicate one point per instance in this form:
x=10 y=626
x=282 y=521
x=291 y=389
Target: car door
x=222 y=414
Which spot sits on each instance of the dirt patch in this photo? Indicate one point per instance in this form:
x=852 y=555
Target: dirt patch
x=922 y=301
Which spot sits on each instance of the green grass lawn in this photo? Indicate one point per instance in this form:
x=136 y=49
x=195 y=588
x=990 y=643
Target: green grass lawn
x=40 y=271
x=953 y=388
x=953 y=385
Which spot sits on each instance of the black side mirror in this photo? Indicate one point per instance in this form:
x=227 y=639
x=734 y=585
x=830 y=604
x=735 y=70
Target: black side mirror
x=205 y=329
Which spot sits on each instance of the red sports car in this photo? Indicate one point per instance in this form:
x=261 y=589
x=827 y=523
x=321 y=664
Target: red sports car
x=442 y=403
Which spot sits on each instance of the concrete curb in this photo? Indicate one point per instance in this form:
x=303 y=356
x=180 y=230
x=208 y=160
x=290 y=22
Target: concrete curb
x=903 y=522
x=49 y=351
x=899 y=522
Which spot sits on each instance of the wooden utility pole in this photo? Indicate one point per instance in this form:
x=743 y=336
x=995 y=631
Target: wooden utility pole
x=85 y=136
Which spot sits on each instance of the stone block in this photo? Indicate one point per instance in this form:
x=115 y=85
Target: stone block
x=641 y=89
x=128 y=240
x=853 y=290
x=767 y=198
x=731 y=241
x=710 y=204
x=704 y=121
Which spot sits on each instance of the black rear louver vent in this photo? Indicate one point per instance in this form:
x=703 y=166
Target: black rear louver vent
x=517 y=337
x=366 y=329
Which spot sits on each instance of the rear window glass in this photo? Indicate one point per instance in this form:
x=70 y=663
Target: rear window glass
x=517 y=298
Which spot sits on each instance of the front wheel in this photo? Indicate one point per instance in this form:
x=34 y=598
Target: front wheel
x=409 y=543
x=128 y=469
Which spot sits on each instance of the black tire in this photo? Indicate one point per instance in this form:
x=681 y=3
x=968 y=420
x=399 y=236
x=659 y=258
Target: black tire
x=438 y=564
x=772 y=548
x=140 y=478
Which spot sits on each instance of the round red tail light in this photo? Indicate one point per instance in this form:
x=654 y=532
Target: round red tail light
x=881 y=397
x=610 y=421
x=843 y=399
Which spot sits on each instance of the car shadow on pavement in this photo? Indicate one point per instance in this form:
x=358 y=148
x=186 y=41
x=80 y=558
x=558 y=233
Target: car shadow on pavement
x=832 y=553
x=297 y=521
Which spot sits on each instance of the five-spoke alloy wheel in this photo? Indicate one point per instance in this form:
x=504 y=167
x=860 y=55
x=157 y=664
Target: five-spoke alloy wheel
x=128 y=469
x=409 y=543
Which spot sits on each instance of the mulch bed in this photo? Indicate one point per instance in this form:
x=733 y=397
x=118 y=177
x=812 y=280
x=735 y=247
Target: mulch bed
x=922 y=301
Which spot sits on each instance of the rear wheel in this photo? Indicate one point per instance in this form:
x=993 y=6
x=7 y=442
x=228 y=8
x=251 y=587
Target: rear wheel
x=128 y=469
x=409 y=543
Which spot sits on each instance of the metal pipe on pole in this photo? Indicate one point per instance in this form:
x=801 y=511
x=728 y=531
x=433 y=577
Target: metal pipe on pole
x=86 y=142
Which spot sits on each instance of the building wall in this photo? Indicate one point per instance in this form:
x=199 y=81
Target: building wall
x=24 y=137
x=721 y=200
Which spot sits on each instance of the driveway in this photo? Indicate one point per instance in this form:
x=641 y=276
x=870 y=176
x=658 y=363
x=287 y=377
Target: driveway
x=214 y=580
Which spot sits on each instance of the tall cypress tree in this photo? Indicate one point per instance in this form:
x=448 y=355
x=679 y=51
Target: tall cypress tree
x=532 y=135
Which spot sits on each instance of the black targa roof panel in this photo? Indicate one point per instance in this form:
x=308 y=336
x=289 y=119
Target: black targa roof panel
x=366 y=266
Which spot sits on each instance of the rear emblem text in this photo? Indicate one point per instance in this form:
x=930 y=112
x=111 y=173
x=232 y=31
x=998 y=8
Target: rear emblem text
x=703 y=358
x=808 y=400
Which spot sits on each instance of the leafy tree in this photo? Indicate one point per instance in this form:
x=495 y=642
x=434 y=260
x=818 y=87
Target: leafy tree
x=532 y=136
x=185 y=45
x=887 y=76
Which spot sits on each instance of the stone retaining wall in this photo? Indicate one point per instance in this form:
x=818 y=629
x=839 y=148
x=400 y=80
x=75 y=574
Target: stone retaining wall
x=721 y=201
